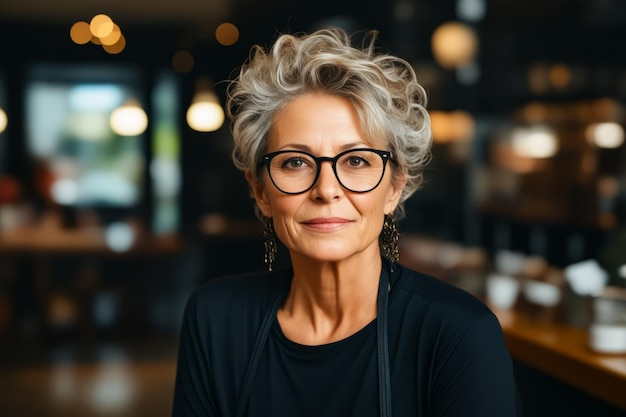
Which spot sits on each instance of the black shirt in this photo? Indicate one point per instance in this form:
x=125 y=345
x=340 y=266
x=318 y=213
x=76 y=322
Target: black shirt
x=446 y=351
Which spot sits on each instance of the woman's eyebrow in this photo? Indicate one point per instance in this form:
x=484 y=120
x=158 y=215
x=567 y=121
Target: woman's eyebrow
x=307 y=148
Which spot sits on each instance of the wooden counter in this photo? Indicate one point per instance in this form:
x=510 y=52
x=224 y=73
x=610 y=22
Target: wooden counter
x=563 y=353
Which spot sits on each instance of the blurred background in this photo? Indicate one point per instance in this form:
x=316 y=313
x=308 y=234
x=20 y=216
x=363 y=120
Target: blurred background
x=118 y=196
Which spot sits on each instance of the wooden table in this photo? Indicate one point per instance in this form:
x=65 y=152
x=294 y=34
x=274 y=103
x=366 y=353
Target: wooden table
x=563 y=352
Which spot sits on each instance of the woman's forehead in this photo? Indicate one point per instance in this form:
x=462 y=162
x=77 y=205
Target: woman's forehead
x=319 y=121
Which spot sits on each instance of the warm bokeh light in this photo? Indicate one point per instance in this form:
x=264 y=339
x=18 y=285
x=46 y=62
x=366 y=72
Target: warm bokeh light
x=129 y=119
x=454 y=126
x=535 y=142
x=560 y=76
x=80 y=33
x=113 y=37
x=227 y=34
x=4 y=121
x=117 y=47
x=439 y=126
x=101 y=26
x=538 y=78
x=205 y=115
x=607 y=109
x=534 y=112
x=606 y=135
x=183 y=62
x=454 y=44
x=462 y=125
x=608 y=187
x=100 y=31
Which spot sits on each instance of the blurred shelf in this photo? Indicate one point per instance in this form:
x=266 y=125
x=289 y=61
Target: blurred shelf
x=92 y=241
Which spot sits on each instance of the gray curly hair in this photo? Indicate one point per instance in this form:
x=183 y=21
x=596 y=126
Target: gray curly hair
x=384 y=90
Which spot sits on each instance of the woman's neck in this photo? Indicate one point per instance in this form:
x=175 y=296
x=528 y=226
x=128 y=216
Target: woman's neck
x=329 y=301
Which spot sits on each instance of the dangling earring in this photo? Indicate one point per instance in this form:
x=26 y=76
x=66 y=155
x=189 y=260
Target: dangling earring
x=389 y=239
x=271 y=244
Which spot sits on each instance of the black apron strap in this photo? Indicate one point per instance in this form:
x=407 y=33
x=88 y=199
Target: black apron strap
x=384 y=379
x=259 y=344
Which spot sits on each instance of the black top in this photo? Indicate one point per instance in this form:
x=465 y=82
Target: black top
x=446 y=351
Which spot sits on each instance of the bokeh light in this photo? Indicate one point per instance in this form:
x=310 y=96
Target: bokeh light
x=80 y=33
x=205 y=115
x=451 y=126
x=535 y=142
x=538 y=78
x=113 y=37
x=606 y=135
x=227 y=34
x=129 y=120
x=117 y=47
x=4 y=121
x=101 y=26
x=454 y=45
x=64 y=191
x=534 y=112
x=183 y=62
x=119 y=236
x=102 y=31
x=560 y=76
x=471 y=10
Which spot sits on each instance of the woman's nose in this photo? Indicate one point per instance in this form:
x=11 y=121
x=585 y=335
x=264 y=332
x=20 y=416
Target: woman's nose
x=327 y=186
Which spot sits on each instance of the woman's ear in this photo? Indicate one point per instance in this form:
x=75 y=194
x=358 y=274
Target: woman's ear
x=260 y=195
x=395 y=192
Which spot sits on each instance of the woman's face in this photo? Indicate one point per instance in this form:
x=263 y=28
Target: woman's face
x=327 y=222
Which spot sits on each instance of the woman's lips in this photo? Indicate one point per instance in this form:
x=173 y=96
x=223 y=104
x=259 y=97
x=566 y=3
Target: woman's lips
x=326 y=223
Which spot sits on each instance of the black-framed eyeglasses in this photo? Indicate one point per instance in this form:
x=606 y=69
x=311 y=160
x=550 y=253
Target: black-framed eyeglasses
x=357 y=170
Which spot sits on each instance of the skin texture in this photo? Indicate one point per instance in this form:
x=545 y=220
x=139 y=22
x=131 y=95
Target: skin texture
x=331 y=233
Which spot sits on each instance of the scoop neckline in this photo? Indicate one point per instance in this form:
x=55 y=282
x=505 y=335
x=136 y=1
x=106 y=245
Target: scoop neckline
x=369 y=330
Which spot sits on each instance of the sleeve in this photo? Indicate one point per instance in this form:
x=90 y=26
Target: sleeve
x=475 y=377
x=192 y=394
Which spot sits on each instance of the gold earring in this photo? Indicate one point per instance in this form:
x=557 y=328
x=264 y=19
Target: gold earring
x=389 y=239
x=271 y=243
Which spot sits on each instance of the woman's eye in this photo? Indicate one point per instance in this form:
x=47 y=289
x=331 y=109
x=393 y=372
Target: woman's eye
x=356 y=161
x=294 y=163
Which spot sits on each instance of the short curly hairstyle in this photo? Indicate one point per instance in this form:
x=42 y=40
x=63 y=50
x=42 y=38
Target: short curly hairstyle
x=383 y=89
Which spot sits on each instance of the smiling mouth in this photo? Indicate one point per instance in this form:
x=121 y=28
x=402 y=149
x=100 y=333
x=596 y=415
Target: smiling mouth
x=326 y=223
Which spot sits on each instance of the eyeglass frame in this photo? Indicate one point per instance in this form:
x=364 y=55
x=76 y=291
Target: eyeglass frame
x=266 y=159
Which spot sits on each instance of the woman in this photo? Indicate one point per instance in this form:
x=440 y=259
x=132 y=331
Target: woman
x=332 y=140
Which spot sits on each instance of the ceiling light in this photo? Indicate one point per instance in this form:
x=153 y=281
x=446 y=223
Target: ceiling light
x=4 y=121
x=129 y=119
x=205 y=114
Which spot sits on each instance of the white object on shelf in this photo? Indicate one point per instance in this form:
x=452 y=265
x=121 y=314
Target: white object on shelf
x=542 y=293
x=608 y=338
x=586 y=278
x=502 y=291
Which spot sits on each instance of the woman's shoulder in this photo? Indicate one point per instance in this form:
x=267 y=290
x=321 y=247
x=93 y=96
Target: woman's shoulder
x=239 y=295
